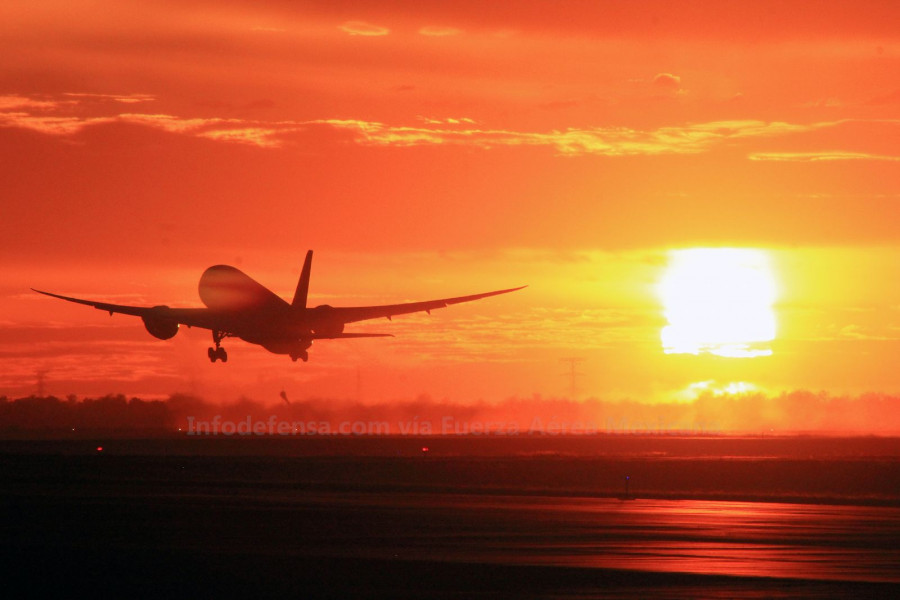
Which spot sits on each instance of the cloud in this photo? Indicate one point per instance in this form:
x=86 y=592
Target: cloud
x=667 y=81
x=175 y=124
x=821 y=156
x=447 y=121
x=49 y=125
x=439 y=31
x=23 y=102
x=116 y=360
x=121 y=98
x=619 y=141
x=604 y=141
x=502 y=338
x=57 y=118
x=863 y=333
x=67 y=100
x=234 y=130
x=364 y=29
x=254 y=136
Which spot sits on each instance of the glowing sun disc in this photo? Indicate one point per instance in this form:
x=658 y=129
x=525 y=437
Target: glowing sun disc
x=718 y=301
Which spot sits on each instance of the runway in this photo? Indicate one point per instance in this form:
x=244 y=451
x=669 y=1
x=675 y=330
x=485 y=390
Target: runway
x=232 y=532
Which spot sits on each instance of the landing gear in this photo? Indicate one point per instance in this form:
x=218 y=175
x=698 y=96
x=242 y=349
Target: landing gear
x=303 y=355
x=217 y=353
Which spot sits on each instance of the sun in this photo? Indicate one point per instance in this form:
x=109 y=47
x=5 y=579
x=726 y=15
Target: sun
x=718 y=301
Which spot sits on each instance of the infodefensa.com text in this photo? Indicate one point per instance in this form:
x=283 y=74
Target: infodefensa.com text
x=445 y=426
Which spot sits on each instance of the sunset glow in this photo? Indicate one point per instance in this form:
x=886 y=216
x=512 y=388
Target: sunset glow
x=472 y=298
x=692 y=192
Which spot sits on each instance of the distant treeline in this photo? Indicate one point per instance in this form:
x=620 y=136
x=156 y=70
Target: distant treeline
x=796 y=411
x=109 y=412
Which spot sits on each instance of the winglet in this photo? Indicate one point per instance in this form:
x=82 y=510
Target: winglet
x=303 y=284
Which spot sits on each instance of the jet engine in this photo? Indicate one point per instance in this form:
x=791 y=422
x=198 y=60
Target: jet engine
x=160 y=327
x=323 y=322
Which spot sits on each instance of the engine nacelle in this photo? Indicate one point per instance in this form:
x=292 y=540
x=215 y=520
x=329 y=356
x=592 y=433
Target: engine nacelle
x=322 y=321
x=161 y=327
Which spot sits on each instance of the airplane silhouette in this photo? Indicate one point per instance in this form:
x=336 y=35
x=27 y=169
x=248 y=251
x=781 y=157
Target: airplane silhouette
x=238 y=306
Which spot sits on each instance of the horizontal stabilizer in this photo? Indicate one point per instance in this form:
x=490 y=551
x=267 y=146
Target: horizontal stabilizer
x=348 y=336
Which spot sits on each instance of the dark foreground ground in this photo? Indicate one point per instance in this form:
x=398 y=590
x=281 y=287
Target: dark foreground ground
x=495 y=518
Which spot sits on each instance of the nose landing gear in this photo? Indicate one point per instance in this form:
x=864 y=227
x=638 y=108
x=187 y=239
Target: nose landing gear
x=303 y=355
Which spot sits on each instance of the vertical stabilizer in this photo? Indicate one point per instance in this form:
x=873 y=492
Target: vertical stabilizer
x=303 y=284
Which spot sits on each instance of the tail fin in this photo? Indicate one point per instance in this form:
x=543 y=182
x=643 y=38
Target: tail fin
x=303 y=284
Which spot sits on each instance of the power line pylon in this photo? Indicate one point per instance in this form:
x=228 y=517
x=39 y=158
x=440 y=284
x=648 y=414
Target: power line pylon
x=573 y=374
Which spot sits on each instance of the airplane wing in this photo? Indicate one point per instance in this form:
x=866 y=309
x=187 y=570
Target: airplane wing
x=192 y=317
x=361 y=313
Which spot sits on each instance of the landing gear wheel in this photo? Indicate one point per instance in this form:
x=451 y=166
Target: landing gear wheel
x=215 y=354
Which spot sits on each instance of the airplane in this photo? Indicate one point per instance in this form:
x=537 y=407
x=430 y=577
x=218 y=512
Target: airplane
x=238 y=306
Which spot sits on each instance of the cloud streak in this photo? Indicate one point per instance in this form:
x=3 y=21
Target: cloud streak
x=602 y=141
x=822 y=156
x=364 y=29
x=14 y=101
x=439 y=31
x=120 y=98
x=49 y=117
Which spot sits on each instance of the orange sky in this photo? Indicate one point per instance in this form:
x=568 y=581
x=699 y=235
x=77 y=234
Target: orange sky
x=427 y=150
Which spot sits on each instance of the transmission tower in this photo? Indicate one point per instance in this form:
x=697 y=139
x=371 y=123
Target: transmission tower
x=41 y=376
x=573 y=375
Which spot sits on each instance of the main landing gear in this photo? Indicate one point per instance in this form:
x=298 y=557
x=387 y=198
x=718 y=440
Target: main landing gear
x=217 y=353
x=303 y=355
